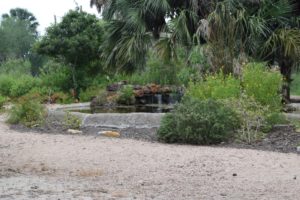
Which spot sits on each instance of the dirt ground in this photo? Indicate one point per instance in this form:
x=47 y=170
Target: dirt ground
x=54 y=166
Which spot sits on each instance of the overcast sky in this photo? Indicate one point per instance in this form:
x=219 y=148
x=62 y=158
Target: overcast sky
x=44 y=10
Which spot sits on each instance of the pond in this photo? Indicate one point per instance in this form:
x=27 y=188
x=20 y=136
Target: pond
x=129 y=109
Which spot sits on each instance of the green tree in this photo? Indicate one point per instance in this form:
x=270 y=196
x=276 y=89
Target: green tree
x=23 y=15
x=266 y=30
x=75 y=41
x=16 y=39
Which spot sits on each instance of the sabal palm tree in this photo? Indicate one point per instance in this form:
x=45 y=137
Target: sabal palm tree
x=23 y=15
x=267 y=30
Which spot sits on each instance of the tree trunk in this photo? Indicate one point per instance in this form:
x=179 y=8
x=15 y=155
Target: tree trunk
x=286 y=71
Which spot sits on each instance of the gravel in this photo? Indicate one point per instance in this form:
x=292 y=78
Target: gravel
x=59 y=166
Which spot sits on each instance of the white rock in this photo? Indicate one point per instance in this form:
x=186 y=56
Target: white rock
x=298 y=149
x=72 y=131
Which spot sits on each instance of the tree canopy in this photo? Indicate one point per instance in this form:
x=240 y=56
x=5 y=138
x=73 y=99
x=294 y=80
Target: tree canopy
x=74 y=41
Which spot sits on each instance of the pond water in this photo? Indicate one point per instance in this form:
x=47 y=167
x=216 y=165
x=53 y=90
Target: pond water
x=128 y=109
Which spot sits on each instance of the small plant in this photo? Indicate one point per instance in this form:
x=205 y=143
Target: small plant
x=72 y=121
x=252 y=118
x=89 y=94
x=2 y=101
x=126 y=96
x=29 y=113
x=199 y=122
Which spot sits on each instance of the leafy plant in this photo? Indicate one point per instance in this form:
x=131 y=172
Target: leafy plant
x=216 y=86
x=72 y=121
x=2 y=101
x=29 y=113
x=126 y=96
x=17 y=85
x=252 y=117
x=90 y=93
x=199 y=122
x=263 y=85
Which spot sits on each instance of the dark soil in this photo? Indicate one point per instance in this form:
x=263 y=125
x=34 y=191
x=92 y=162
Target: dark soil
x=282 y=138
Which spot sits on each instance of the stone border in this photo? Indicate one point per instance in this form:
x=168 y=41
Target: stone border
x=56 y=114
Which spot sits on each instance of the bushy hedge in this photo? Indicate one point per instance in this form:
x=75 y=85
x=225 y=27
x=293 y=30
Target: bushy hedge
x=198 y=121
x=29 y=113
x=16 y=86
x=263 y=85
x=216 y=86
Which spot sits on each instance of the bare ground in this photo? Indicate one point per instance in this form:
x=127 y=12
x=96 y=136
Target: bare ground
x=46 y=166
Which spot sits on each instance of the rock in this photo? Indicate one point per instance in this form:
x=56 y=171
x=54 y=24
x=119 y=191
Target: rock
x=298 y=149
x=109 y=133
x=72 y=131
x=234 y=174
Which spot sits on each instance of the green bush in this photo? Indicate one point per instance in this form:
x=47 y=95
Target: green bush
x=126 y=96
x=199 y=122
x=216 y=87
x=91 y=92
x=16 y=66
x=252 y=117
x=2 y=101
x=23 y=84
x=29 y=113
x=56 y=77
x=295 y=85
x=16 y=86
x=72 y=121
x=263 y=85
x=6 y=83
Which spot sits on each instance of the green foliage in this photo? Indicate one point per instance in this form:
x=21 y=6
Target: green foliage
x=23 y=15
x=216 y=86
x=199 y=122
x=29 y=113
x=295 y=86
x=16 y=39
x=71 y=121
x=91 y=92
x=75 y=41
x=15 y=66
x=2 y=101
x=16 y=86
x=126 y=96
x=56 y=77
x=252 y=117
x=263 y=85
x=23 y=85
x=6 y=83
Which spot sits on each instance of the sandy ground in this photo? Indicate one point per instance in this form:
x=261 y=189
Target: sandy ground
x=45 y=166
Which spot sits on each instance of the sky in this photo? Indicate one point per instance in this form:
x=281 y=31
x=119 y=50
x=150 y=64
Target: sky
x=44 y=10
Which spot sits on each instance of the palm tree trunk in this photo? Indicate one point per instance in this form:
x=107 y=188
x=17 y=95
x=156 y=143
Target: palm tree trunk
x=286 y=71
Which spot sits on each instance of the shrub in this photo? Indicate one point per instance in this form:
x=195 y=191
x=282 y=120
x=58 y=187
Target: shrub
x=23 y=85
x=17 y=85
x=29 y=113
x=16 y=66
x=56 y=77
x=90 y=93
x=252 y=117
x=126 y=96
x=6 y=83
x=199 y=122
x=62 y=98
x=215 y=87
x=263 y=85
x=72 y=121
x=2 y=101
